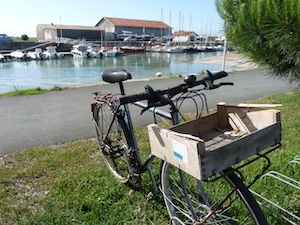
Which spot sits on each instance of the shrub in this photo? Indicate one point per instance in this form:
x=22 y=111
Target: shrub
x=24 y=37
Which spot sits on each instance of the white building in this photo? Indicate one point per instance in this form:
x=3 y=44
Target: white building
x=184 y=36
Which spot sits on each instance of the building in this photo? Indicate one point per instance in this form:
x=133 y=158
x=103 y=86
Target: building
x=50 y=32
x=139 y=27
x=184 y=36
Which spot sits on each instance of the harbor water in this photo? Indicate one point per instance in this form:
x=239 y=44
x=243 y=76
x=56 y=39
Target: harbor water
x=17 y=75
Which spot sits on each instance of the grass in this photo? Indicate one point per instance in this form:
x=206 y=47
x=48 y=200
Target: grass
x=285 y=195
x=17 y=39
x=69 y=183
x=172 y=75
x=33 y=91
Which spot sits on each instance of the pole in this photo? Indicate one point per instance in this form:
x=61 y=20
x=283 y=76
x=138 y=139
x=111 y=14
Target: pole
x=224 y=54
x=60 y=28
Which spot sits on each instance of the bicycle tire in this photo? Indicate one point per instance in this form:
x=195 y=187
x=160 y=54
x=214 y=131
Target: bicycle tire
x=186 y=204
x=114 y=141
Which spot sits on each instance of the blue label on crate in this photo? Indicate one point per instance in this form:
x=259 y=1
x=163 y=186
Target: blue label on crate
x=178 y=155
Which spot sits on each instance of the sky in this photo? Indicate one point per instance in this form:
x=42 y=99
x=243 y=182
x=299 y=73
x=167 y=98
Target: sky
x=21 y=17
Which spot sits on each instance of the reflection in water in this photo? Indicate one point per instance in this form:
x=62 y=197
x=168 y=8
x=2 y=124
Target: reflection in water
x=70 y=71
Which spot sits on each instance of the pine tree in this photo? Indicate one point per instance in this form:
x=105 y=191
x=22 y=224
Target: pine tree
x=268 y=31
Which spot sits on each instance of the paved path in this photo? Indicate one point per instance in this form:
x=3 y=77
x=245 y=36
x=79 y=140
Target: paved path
x=60 y=117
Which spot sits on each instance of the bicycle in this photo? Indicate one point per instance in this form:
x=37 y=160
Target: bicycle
x=188 y=200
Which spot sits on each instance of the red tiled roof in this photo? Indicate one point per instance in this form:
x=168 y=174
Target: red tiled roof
x=135 y=23
x=68 y=27
x=182 y=33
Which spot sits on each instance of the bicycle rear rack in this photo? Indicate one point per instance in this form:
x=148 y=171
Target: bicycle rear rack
x=270 y=205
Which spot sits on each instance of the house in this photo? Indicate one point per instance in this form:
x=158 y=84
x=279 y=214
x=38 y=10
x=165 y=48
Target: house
x=131 y=26
x=184 y=36
x=50 y=32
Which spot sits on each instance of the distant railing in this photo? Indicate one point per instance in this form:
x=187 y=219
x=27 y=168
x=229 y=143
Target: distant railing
x=64 y=40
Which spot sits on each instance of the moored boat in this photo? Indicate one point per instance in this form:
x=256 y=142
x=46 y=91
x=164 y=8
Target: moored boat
x=154 y=48
x=163 y=49
x=107 y=52
x=127 y=49
x=80 y=51
x=51 y=53
x=18 y=55
x=94 y=52
x=36 y=54
x=176 y=49
x=117 y=51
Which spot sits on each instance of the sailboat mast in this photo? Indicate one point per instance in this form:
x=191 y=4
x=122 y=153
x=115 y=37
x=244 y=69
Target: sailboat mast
x=161 y=19
x=179 y=20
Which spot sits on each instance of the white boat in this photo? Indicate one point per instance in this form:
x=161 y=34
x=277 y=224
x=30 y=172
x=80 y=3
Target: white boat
x=133 y=49
x=51 y=53
x=18 y=55
x=94 y=52
x=201 y=48
x=155 y=48
x=219 y=48
x=117 y=51
x=36 y=54
x=107 y=52
x=176 y=49
x=80 y=51
x=1 y=57
x=163 y=48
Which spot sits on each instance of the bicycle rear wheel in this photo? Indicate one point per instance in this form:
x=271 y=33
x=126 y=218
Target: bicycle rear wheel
x=189 y=200
x=114 y=141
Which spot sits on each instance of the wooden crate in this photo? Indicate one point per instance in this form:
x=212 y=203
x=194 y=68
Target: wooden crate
x=210 y=144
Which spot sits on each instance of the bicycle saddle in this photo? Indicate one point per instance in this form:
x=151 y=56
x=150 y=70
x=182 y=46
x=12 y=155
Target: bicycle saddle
x=115 y=75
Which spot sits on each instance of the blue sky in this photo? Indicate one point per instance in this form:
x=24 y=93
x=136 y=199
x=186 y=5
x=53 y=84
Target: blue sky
x=22 y=17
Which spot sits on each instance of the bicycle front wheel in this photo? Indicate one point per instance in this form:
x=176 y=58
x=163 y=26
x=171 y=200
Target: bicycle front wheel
x=113 y=139
x=225 y=201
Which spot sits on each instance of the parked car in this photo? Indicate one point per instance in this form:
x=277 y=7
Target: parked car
x=4 y=37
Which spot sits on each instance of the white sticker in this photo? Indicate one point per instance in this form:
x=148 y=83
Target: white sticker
x=180 y=151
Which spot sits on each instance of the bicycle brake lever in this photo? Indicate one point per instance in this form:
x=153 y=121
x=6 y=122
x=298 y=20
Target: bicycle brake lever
x=220 y=84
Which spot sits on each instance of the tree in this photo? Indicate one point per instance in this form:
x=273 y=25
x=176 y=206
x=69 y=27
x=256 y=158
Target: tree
x=24 y=37
x=267 y=31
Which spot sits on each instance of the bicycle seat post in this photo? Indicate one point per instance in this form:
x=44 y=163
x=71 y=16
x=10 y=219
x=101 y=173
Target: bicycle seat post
x=121 y=88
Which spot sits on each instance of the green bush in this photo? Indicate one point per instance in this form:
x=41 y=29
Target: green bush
x=266 y=31
x=24 y=37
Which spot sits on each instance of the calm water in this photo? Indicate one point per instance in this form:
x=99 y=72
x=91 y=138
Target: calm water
x=70 y=71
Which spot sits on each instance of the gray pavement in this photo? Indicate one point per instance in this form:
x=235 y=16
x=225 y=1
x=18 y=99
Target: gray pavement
x=60 y=117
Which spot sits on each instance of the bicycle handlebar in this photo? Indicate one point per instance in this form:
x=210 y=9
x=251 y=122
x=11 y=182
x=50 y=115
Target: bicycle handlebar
x=190 y=82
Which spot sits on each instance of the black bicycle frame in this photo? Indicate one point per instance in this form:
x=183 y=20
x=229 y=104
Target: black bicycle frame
x=172 y=115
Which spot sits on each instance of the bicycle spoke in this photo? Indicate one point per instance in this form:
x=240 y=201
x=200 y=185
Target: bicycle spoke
x=211 y=202
x=112 y=138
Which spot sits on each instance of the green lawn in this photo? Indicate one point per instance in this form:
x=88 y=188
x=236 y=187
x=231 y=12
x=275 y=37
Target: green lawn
x=33 y=91
x=69 y=183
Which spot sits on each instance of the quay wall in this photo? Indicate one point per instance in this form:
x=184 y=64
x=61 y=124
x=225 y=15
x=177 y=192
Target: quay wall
x=9 y=46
